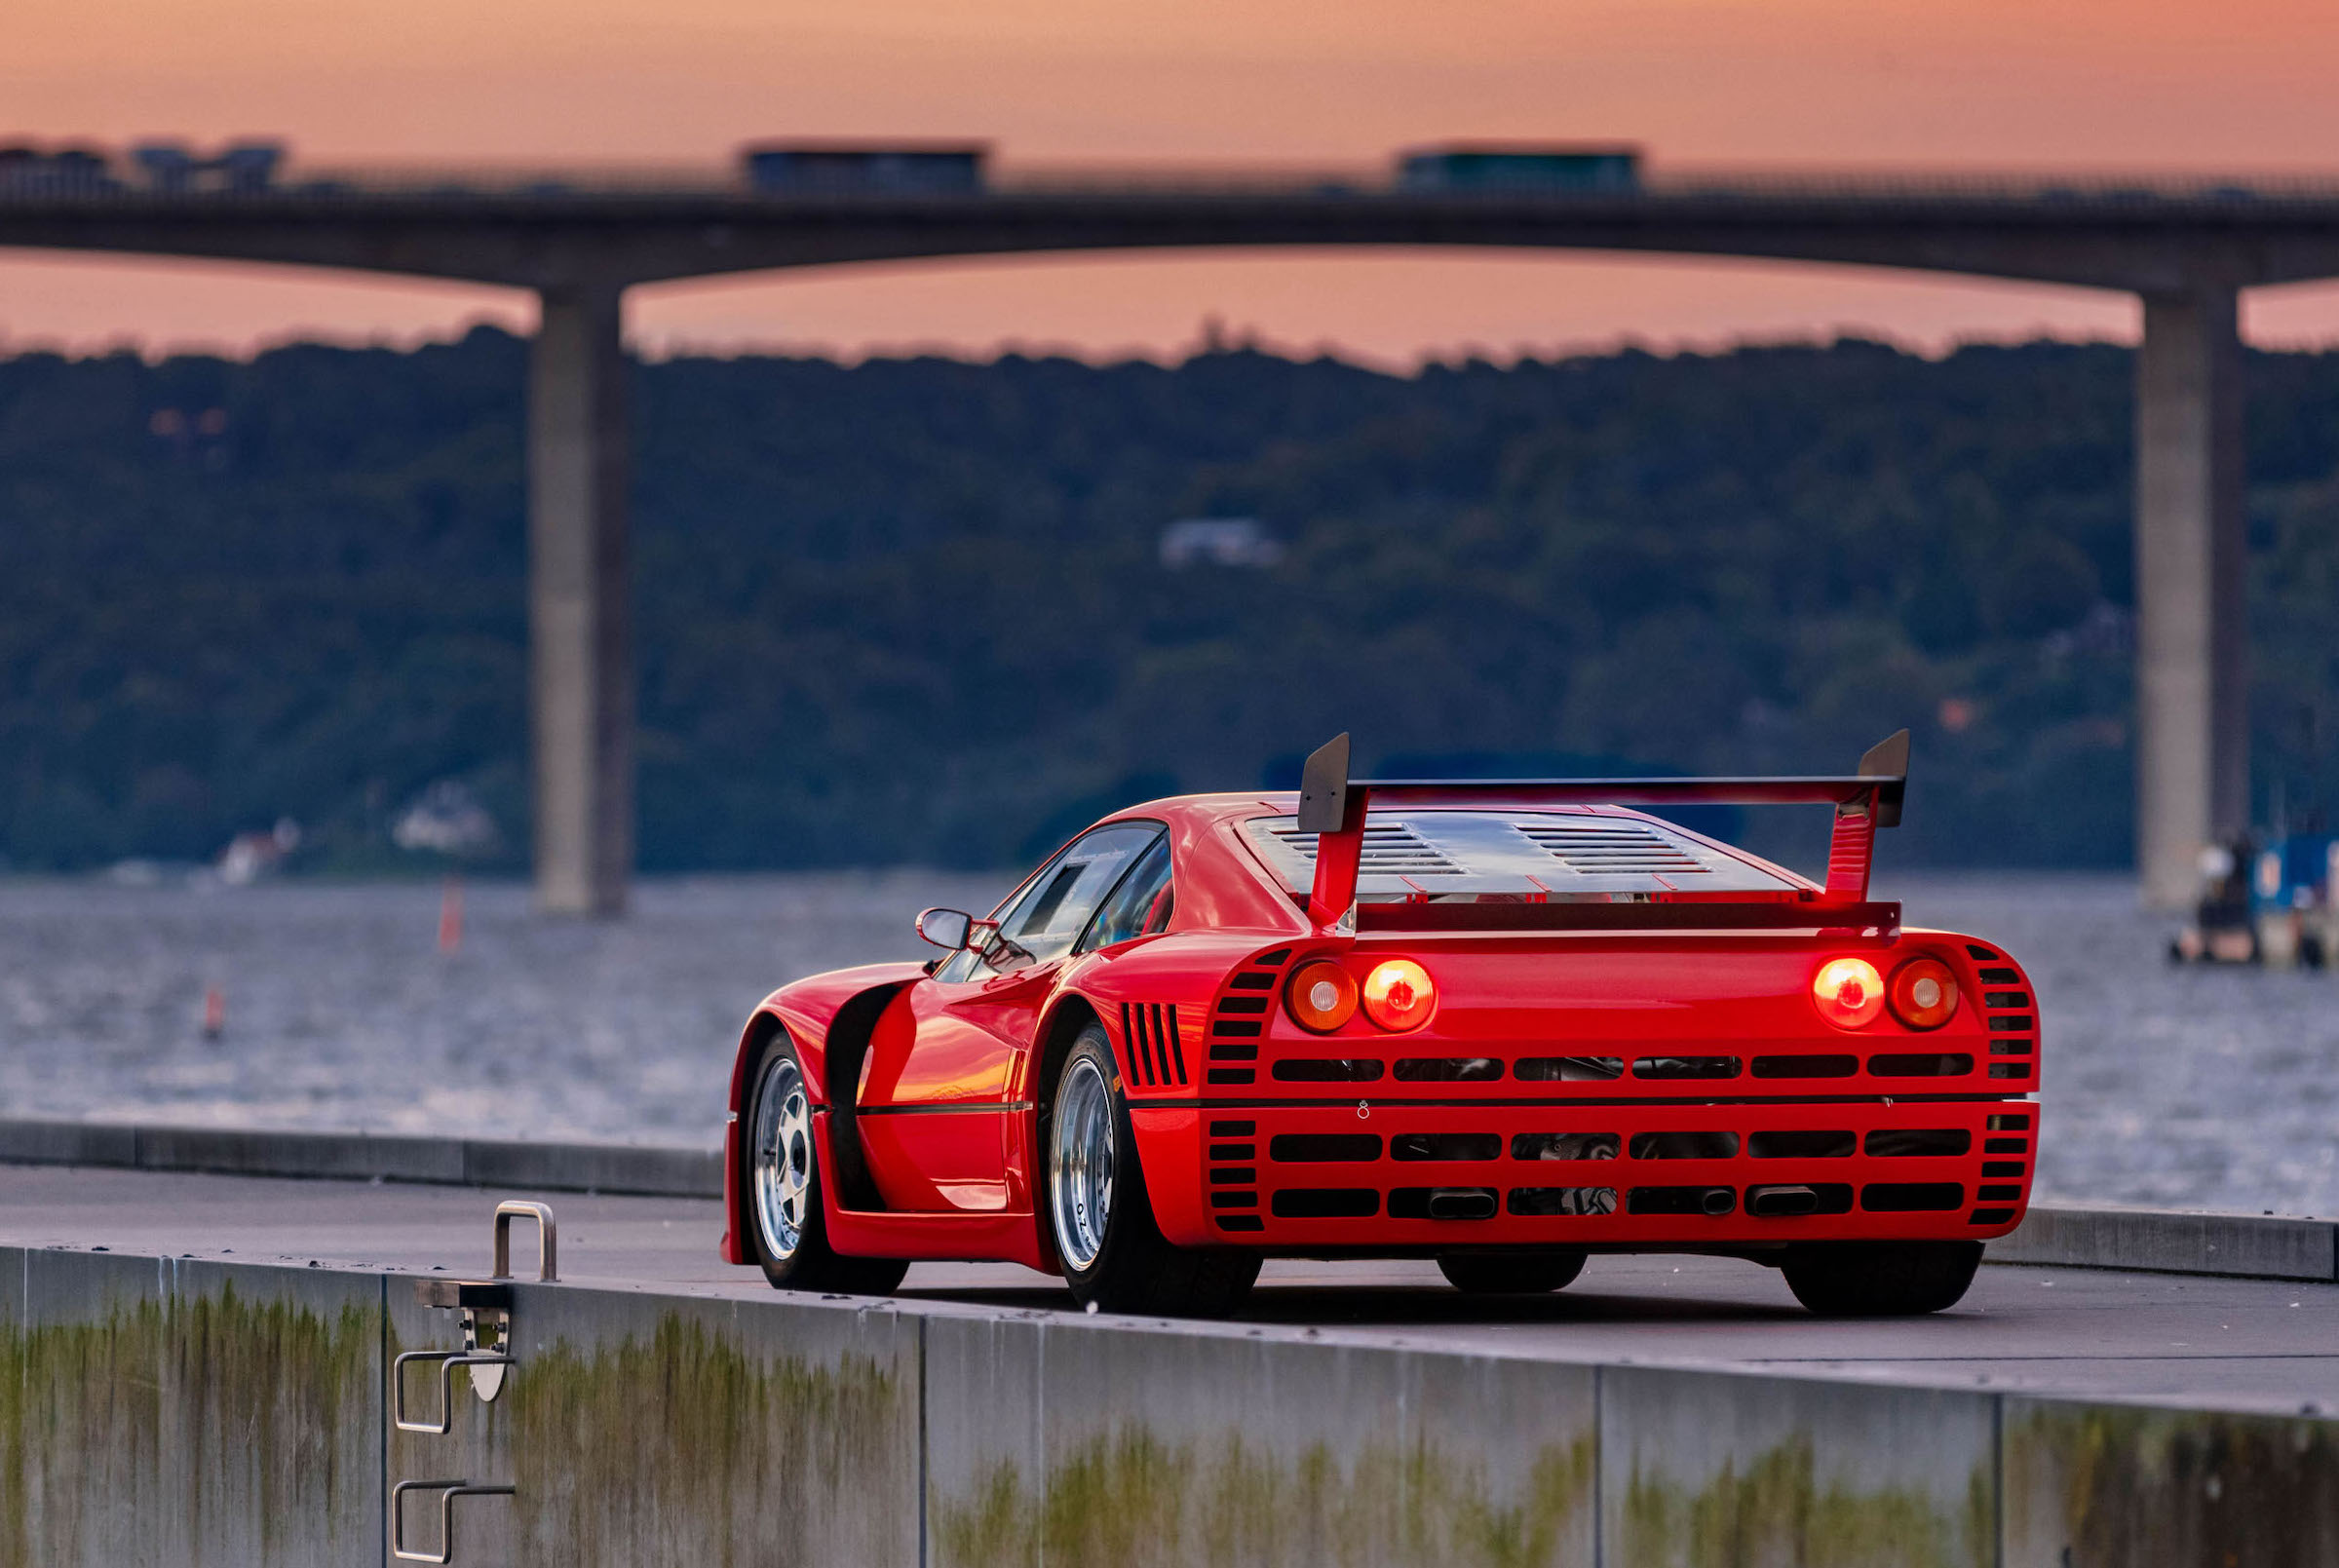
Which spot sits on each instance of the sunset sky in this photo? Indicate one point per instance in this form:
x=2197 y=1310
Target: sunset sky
x=2232 y=86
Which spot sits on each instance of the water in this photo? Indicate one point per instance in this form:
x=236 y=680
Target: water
x=2208 y=1087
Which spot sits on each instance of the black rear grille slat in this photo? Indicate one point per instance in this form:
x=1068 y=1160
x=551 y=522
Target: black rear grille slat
x=1564 y=1146
x=1449 y=1069
x=1328 y=1070
x=1680 y=1067
x=1802 y=1143
x=1921 y=1064
x=1568 y=1069
x=1324 y=1148
x=1574 y=1202
x=1700 y=1145
x=1919 y=1143
x=1834 y=1065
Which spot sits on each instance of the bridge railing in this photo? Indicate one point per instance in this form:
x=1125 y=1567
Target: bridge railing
x=36 y=182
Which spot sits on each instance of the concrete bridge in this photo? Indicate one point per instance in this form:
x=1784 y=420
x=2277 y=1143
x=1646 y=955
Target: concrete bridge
x=580 y=241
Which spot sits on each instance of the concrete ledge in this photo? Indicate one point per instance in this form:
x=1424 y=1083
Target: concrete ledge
x=609 y=1168
x=2253 y=1245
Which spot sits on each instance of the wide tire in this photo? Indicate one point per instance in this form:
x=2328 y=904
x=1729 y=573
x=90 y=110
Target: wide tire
x=1880 y=1279
x=788 y=1231
x=1114 y=1256
x=1509 y=1274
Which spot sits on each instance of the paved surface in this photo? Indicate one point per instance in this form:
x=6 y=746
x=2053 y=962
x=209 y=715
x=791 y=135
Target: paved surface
x=2167 y=1339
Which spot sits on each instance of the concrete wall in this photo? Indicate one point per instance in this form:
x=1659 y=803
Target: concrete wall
x=181 y=1412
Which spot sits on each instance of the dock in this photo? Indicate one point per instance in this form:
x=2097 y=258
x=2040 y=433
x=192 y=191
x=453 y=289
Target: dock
x=198 y=1332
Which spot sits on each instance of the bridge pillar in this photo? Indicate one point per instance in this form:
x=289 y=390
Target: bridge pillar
x=580 y=641
x=2192 y=634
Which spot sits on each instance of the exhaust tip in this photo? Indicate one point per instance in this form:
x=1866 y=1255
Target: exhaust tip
x=1774 y=1203
x=1461 y=1202
x=1719 y=1200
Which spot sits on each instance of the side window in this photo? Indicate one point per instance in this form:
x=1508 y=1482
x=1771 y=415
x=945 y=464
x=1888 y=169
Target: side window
x=1125 y=909
x=1054 y=907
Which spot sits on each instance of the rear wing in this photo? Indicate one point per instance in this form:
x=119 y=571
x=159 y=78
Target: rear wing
x=1333 y=805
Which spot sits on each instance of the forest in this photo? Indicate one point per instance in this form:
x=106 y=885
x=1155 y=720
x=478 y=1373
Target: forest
x=916 y=610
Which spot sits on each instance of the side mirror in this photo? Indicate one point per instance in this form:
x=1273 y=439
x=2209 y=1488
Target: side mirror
x=947 y=928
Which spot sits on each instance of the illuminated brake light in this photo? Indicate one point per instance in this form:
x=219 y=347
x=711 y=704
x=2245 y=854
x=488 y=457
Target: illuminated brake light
x=1321 y=997
x=1848 y=992
x=1924 y=993
x=1399 y=994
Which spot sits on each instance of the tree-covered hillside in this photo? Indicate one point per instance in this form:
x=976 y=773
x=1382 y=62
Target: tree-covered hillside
x=915 y=610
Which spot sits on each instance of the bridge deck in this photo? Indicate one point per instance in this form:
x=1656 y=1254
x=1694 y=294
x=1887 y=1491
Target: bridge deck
x=2205 y=1341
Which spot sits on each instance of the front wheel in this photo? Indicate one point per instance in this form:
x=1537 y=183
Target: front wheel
x=787 y=1230
x=1115 y=1257
x=1880 y=1279
x=1509 y=1274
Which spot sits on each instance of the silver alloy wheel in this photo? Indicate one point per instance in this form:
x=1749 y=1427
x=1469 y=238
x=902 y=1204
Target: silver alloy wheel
x=1080 y=1165
x=780 y=1157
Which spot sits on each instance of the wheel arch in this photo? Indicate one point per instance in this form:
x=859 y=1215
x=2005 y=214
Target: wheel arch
x=830 y=1036
x=1071 y=1013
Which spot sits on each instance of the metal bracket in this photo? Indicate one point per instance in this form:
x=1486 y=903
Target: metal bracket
x=448 y=1492
x=485 y=1306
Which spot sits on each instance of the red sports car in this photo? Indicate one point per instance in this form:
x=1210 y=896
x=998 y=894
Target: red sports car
x=1498 y=1024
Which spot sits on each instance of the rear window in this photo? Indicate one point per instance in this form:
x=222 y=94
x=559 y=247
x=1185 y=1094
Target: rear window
x=1474 y=856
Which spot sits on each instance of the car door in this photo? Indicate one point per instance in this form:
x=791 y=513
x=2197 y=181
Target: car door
x=933 y=1104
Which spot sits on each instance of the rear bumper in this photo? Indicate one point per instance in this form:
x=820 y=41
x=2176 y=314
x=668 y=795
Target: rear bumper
x=1363 y=1175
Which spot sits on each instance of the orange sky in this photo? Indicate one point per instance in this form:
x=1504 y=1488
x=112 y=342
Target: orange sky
x=2228 y=85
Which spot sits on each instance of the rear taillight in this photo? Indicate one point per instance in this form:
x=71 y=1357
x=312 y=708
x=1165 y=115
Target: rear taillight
x=1400 y=995
x=1848 y=992
x=1321 y=997
x=1923 y=993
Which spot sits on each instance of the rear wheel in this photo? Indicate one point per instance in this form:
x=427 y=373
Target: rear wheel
x=787 y=1230
x=1115 y=1257
x=1509 y=1274
x=1880 y=1279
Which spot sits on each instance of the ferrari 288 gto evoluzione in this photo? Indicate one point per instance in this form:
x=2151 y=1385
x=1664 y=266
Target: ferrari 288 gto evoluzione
x=1498 y=1024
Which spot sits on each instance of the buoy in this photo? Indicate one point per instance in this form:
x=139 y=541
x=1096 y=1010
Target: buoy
x=215 y=1012
x=450 y=916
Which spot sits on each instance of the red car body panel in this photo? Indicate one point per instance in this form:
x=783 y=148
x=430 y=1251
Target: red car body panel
x=1603 y=1086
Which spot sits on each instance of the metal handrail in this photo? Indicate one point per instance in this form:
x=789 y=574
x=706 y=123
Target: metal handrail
x=448 y=1492
x=447 y=1362
x=548 y=1239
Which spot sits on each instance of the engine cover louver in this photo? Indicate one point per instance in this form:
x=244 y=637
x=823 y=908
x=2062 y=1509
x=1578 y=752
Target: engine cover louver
x=1393 y=849
x=1612 y=848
